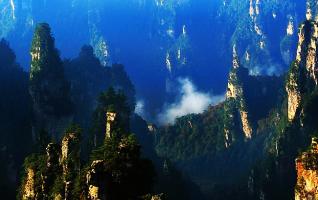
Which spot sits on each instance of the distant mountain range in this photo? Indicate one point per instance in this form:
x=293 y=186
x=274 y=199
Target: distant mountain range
x=161 y=40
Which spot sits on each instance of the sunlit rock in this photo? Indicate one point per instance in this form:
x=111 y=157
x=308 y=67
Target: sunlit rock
x=111 y=117
x=307 y=174
x=29 y=187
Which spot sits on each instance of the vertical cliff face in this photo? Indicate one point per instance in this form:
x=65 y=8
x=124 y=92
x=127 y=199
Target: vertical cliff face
x=70 y=161
x=235 y=94
x=303 y=73
x=70 y=153
x=52 y=165
x=53 y=174
x=49 y=89
x=110 y=121
x=95 y=180
x=29 y=186
x=52 y=153
x=307 y=173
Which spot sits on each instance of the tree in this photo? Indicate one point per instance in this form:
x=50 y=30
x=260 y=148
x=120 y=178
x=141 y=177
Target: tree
x=110 y=101
x=48 y=86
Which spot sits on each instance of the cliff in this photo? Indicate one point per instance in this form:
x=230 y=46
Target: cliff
x=302 y=77
x=245 y=93
x=50 y=92
x=251 y=24
x=88 y=78
x=115 y=169
x=52 y=175
x=307 y=173
x=235 y=93
x=224 y=133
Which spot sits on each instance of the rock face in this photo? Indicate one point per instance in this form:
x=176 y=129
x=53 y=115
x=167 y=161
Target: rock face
x=70 y=157
x=29 y=187
x=168 y=26
x=60 y=164
x=307 y=173
x=96 y=185
x=49 y=89
x=70 y=161
x=235 y=93
x=303 y=73
x=110 y=120
x=157 y=197
x=52 y=153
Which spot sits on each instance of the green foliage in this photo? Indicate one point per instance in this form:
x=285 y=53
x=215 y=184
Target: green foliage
x=57 y=188
x=48 y=86
x=132 y=176
x=110 y=101
x=121 y=82
x=192 y=136
x=89 y=78
x=79 y=184
x=37 y=163
x=74 y=128
x=311 y=110
x=231 y=120
x=42 y=140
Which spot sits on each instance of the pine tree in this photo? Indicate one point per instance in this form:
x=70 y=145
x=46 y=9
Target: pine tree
x=110 y=101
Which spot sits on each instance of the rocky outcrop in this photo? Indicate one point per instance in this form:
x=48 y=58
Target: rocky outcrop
x=52 y=153
x=52 y=166
x=95 y=180
x=235 y=93
x=110 y=120
x=70 y=153
x=294 y=99
x=58 y=168
x=157 y=197
x=307 y=173
x=254 y=12
x=303 y=74
x=49 y=90
x=29 y=186
x=70 y=161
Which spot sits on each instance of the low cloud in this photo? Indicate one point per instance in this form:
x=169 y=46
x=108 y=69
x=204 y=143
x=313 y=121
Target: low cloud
x=190 y=101
x=140 y=107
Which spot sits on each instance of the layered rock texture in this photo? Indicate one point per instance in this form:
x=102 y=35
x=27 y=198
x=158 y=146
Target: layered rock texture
x=307 y=173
